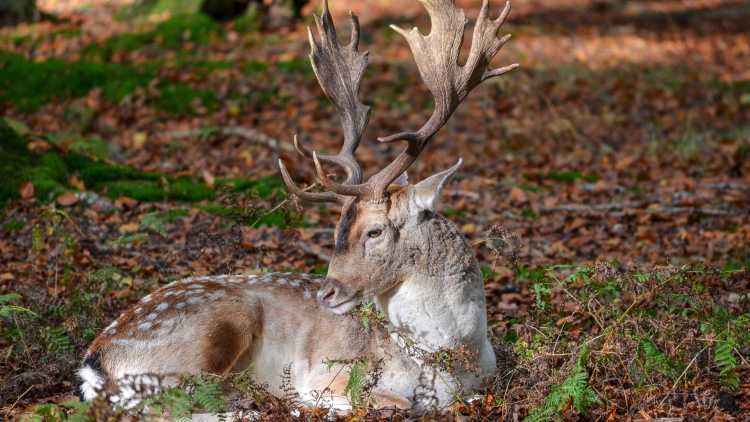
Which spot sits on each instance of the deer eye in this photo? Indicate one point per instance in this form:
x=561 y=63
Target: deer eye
x=372 y=234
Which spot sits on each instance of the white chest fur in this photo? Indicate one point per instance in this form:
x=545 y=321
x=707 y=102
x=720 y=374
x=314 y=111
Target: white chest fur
x=443 y=312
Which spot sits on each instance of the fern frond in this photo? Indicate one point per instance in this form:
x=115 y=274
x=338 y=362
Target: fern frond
x=726 y=362
x=209 y=395
x=574 y=390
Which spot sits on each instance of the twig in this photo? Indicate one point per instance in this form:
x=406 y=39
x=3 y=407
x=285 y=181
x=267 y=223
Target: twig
x=252 y=135
x=677 y=381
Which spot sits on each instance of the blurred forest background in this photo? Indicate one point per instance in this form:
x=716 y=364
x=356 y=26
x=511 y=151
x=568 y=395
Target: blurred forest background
x=606 y=186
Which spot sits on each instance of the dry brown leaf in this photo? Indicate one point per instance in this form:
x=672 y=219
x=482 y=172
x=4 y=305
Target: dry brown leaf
x=208 y=178
x=67 y=199
x=124 y=202
x=518 y=196
x=26 y=190
x=129 y=228
x=38 y=146
x=76 y=182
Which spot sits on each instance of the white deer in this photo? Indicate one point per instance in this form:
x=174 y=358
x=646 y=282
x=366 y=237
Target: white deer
x=391 y=247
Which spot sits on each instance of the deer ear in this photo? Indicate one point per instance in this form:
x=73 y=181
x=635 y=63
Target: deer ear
x=428 y=190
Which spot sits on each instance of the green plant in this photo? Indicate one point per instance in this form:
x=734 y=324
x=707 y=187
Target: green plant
x=57 y=341
x=368 y=314
x=202 y=392
x=180 y=99
x=196 y=27
x=7 y=309
x=29 y=84
x=356 y=385
x=656 y=360
x=575 y=390
x=156 y=221
x=725 y=361
x=542 y=292
x=731 y=333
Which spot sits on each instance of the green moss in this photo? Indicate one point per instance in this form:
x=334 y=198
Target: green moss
x=264 y=187
x=249 y=22
x=29 y=85
x=197 y=28
x=49 y=174
x=255 y=68
x=170 y=34
x=178 y=99
x=295 y=66
x=73 y=142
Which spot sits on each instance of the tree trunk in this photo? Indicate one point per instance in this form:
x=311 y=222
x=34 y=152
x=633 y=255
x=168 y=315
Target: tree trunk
x=16 y=11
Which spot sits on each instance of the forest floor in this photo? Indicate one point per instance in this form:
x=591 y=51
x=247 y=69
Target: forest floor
x=605 y=187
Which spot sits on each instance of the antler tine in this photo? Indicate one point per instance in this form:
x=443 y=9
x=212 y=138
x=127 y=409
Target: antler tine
x=339 y=71
x=436 y=55
x=307 y=196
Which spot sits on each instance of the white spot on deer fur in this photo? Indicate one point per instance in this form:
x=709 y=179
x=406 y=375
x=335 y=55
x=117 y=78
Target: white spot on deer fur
x=195 y=300
x=195 y=286
x=152 y=316
x=216 y=295
x=146 y=299
x=307 y=294
x=145 y=326
x=92 y=382
x=162 y=306
x=170 y=293
x=195 y=293
x=180 y=305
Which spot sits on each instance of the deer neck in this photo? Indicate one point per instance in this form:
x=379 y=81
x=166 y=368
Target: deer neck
x=444 y=306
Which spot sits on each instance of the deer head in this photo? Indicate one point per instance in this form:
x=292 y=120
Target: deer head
x=388 y=231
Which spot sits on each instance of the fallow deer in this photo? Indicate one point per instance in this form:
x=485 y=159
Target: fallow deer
x=391 y=247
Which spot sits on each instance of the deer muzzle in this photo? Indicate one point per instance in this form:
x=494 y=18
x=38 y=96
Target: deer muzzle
x=336 y=296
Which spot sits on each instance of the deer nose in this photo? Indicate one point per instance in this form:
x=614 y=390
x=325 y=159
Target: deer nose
x=328 y=294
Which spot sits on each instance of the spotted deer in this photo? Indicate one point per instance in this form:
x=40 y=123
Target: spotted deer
x=391 y=247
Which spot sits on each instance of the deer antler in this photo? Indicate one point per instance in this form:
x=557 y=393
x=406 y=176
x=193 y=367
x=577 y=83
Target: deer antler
x=436 y=56
x=339 y=71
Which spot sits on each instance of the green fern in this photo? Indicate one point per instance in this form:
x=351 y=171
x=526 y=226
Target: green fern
x=725 y=360
x=208 y=394
x=7 y=310
x=58 y=342
x=174 y=400
x=199 y=392
x=574 y=390
x=656 y=360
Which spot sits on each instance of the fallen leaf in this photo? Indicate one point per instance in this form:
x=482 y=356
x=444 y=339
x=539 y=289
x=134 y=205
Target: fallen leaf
x=208 y=178
x=67 y=199
x=124 y=202
x=6 y=277
x=518 y=196
x=139 y=139
x=76 y=182
x=469 y=228
x=129 y=228
x=38 y=146
x=26 y=190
